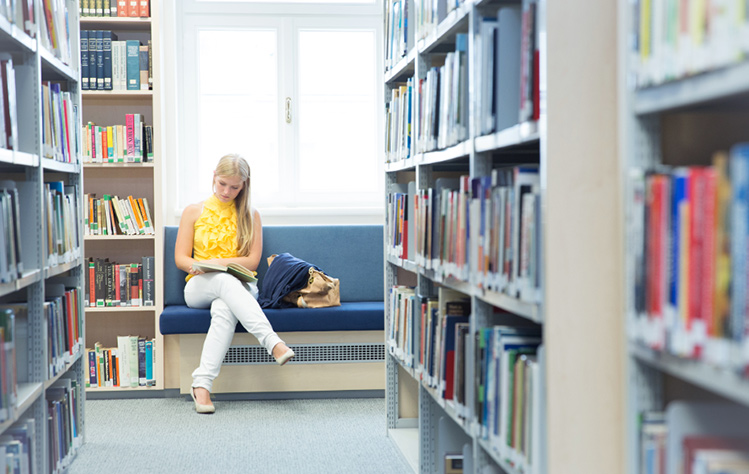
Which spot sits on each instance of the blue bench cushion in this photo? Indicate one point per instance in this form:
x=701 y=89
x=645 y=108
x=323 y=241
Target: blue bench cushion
x=350 y=316
x=351 y=253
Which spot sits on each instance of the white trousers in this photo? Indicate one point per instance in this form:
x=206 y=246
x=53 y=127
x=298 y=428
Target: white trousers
x=231 y=301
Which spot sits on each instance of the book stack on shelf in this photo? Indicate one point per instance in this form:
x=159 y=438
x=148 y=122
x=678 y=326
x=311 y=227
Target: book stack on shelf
x=128 y=143
x=112 y=284
x=41 y=274
x=463 y=236
x=122 y=168
x=111 y=215
x=128 y=365
x=60 y=114
x=687 y=238
x=109 y=64
x=115 y=8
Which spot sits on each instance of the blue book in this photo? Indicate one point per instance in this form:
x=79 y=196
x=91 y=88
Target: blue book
x=84 y=60
x=149 y=362
x=92 y=74
x=99 y=60
x=107 y=38
x=739 y=166
x=132 y=52
x=680 y=198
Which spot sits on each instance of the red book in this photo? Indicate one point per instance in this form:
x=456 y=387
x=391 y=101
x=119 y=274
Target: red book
x=144 y=8
x=122 y=7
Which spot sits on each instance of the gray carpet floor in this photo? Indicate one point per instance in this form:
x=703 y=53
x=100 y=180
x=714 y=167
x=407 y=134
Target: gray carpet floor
x=268 y=436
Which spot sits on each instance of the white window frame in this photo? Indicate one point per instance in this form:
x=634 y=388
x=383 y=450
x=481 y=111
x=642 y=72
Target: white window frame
x=192 y=15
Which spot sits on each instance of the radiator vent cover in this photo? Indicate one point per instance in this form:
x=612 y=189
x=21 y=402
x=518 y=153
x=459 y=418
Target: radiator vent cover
x=309 y=354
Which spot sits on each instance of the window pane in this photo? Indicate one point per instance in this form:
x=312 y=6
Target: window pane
x=238 y=111
x=277 y=2
x=337 y=112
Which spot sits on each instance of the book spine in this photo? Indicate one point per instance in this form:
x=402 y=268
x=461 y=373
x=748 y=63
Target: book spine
x=84 y=59
x=133 y=65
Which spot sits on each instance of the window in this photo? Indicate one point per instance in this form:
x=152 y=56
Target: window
x=295 y=94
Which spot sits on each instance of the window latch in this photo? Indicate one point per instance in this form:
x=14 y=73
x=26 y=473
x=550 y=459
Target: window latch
x=288 y=110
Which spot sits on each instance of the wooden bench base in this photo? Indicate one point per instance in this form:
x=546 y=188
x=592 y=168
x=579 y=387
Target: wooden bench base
x=293 y=377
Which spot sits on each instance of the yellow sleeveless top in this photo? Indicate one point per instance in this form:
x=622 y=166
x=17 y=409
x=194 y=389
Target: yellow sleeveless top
x=215 y=233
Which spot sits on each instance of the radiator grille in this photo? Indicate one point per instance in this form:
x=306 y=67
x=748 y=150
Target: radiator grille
x=309 y=354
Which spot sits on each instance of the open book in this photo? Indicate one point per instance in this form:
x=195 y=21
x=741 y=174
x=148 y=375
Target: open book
x=234 y=269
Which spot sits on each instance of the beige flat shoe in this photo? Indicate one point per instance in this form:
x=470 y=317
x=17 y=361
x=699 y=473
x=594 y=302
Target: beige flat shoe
x=200 y=408
x=285 y=357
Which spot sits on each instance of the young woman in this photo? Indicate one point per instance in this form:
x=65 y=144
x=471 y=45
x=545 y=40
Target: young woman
x=223 y=229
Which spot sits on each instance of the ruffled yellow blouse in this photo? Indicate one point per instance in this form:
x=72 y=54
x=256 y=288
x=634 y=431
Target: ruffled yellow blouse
x=215 y=231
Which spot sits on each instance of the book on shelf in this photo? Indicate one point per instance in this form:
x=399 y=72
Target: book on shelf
x=128 y=365
x=113 y=284
x=10 y=117
x=11 y=259
x=507 y=71
x=54 y=30
x=132 y=59
x=107 y=65
x=687 y=264
x=234 y=269
x=115 y=8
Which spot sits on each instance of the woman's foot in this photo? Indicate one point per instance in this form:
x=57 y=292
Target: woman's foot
x=202 y=399
x=282 y=353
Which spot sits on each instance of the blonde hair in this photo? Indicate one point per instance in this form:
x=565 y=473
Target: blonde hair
x=233 y=165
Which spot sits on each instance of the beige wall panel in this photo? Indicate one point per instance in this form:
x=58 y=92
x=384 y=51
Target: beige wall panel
x=584 y=331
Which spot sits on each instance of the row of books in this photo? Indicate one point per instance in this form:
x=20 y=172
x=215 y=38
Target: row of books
x=18 y=447
x=22 y=13
x=131 y=364
x=9 y=322
x=428 y=15
x=115 y=8
x=688 y=259
x=128 y=143
x=11 y=259
x=62 y=219
x=421 y=333
x=54 y=30
x=108 y=64
x=64 y=438
x=9 y=115
x=486 y=230
x=707 y=438
x=506 y=52
x=399 y=123
x=59 y=118
x=673 y=40
x=398 y=42
x=442 y=101
x=509 y=393
x=62 y=309
x=432 y=336
x=111 y=284
x=111 y=215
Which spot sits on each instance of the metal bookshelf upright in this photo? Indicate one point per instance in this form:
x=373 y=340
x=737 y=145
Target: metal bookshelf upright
x=678 y=113
x=40 y=369
x=574 y=144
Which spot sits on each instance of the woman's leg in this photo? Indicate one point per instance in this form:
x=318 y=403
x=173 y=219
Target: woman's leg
x=216 y=343
x=240 y=302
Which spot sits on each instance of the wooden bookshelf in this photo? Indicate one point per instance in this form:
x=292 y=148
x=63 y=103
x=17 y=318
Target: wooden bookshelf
x=141 y=180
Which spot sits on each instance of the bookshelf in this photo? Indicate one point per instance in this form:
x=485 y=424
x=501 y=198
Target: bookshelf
x=41 y=272
x=569 y=288
x=117 y=174
x=686 y=346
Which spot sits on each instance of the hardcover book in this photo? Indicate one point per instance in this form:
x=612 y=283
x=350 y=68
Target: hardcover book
x=234 y=269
